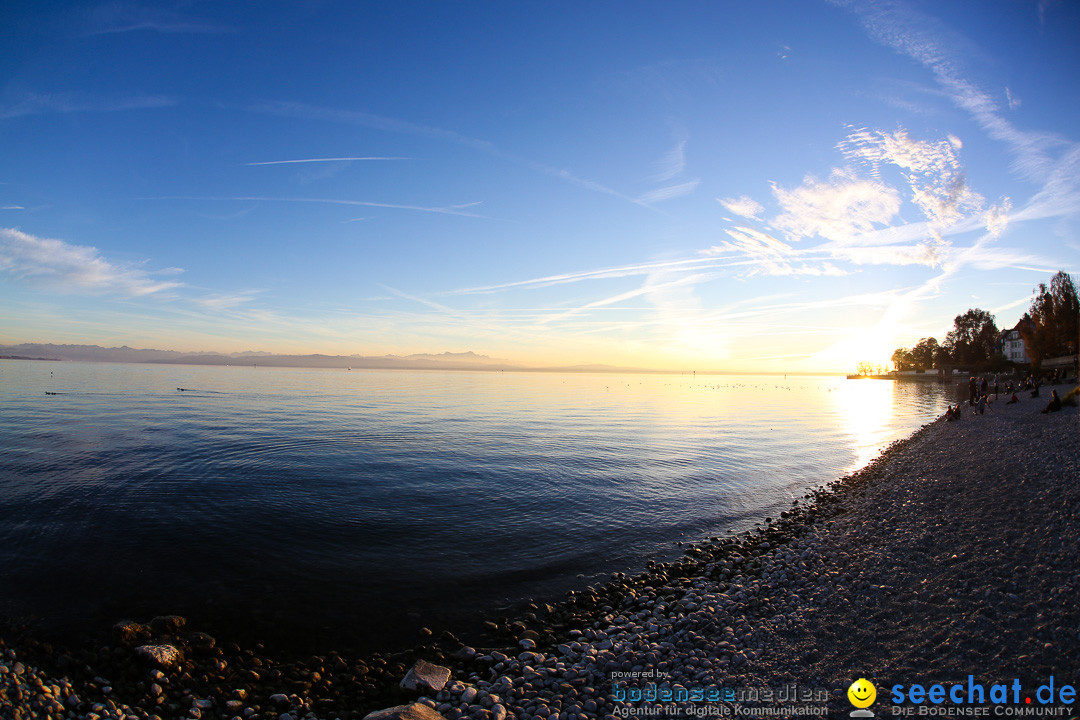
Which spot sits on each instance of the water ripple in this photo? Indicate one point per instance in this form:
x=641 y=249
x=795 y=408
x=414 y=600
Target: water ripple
x=366 y=492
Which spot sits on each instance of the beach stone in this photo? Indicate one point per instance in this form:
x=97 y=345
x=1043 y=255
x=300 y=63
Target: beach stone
x=168 y=624
x=129 y=632
x=202 y=641
x=414 y=711
x=165 y=656
x=426 y=677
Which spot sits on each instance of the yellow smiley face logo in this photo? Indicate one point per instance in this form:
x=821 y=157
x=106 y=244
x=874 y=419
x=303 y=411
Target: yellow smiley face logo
x=862 y=693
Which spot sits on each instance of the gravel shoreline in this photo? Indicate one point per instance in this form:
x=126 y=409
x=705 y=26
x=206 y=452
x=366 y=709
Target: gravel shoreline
x=952 y=554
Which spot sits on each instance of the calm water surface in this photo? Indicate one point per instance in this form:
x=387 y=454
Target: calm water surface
x=351 y=508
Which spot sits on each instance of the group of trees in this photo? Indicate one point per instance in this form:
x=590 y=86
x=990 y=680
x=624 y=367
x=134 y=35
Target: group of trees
x=925 y=355
x=1050 y=328
x=869 y=368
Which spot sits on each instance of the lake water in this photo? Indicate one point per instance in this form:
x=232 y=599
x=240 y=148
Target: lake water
x=351 y=508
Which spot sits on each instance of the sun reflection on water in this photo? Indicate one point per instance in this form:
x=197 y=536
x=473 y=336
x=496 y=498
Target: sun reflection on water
x=865 y=409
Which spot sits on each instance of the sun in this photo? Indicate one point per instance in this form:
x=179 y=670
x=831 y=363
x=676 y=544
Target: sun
x=873 y=345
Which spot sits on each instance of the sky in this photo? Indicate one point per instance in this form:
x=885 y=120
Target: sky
x=737 y=185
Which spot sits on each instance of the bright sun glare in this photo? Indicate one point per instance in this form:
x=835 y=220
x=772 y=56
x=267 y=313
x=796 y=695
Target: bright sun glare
x=865 y=407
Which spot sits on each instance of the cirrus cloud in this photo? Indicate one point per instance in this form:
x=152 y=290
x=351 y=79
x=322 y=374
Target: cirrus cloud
x=839 y=209
x=744 y=206
x=932 y=170
x=63 y=267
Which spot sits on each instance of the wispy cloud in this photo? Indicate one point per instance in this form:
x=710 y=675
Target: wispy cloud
x=1044 y=6
x=668 y=193
x=389 y=124
x=670 y=166
x=372 y=120
x=67 y=268
x=743 y=206
x=925 y=253
x=321 y=160
x=77 y=102
x=839 y=209
x=13 y=207
x=761 y=243
x=647 y=289
x=673 y=163
x=1014 y=102
x=858 y=217
x=765 y=255
x=123 y=16
x=911 y=32
x=223 y=302
x=445 y=309
x=932 y=169
x=1043 y=157
x=1060 y=193
x=599 y=274
x=443 y=210
x=997 y=217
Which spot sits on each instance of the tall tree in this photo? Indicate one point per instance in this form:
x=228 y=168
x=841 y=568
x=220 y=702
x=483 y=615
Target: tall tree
x=901 y=359
x=1051 y=326
x=941 y=357
x=924 y=354
x=973 y=339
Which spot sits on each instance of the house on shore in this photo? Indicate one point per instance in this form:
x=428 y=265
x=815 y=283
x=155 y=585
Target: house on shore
x=1012 y=345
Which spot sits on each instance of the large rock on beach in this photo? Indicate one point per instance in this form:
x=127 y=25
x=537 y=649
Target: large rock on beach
x=168 y=624
x=165 y=656
x=129 y=632
x=426 y=677
x=414 y=711
x=202 y=641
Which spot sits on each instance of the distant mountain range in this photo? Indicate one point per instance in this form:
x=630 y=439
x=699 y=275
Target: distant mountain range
x=423 y=361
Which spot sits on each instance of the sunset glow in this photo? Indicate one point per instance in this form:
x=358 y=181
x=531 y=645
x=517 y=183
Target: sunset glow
x=743 y=187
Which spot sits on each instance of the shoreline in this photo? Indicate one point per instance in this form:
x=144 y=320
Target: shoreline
x=759 y=609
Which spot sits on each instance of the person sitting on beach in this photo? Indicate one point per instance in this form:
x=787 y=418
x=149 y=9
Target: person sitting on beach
x=1054 y=405
x=952 y=413
x=1013 y=399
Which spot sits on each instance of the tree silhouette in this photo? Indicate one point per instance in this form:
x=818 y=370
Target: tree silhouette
x=1051 y=325
x=973 y=339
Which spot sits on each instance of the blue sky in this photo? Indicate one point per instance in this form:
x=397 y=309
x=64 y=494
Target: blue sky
x=780 y=186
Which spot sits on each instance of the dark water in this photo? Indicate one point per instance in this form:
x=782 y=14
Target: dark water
x=351 y=508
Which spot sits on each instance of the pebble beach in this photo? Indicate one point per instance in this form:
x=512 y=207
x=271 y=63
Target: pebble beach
x=954 y=553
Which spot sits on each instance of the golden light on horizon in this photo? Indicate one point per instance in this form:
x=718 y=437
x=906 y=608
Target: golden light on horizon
x=874 y=345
